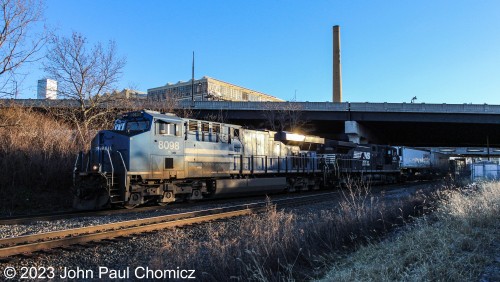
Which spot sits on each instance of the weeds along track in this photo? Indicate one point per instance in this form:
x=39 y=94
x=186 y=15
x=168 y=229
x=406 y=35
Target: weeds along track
x=45 y=241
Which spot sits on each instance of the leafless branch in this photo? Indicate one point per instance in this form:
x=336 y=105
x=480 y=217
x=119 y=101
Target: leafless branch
x=284 y=116
x=87 y=76
x=18 y=41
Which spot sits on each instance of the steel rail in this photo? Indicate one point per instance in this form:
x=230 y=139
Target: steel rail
x=73 y=214
x=31 y=243
x=23 y=219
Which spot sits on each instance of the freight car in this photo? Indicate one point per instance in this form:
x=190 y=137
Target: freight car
x=162 y=158
x=421 y=163
x=366 y=162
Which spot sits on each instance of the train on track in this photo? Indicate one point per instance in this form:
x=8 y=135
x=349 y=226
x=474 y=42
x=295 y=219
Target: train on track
x=422 y=164
x=149 y=157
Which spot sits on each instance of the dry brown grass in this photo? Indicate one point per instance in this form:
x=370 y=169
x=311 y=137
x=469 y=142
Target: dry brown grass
x=456 y=243
x=281 y=245
x=36 y=159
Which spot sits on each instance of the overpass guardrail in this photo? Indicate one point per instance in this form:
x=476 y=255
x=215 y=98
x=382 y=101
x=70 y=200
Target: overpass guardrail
x=347 y=106
x=303 y=106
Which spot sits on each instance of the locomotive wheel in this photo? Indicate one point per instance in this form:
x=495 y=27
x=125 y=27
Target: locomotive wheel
x=134 y=201
x=130 y=206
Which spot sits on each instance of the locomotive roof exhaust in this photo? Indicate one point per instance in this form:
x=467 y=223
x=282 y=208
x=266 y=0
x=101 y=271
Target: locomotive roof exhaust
x=288 y=137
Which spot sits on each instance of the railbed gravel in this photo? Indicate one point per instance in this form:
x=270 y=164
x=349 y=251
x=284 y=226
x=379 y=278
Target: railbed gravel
x=136 y=251
x=133 y=251
x=37 y=227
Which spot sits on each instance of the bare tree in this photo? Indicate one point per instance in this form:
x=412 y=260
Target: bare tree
x=169 y=103
x=18 y=41
x=87 y=76
x=271 y=112
x=219 y=116
x=292 y=118
x=284 y=116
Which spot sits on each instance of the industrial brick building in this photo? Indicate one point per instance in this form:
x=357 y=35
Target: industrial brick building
x=207 y=89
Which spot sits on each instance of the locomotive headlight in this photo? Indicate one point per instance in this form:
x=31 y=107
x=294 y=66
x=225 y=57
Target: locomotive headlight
x=95 y=167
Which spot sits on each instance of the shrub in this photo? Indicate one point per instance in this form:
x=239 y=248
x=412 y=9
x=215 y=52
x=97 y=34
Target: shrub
x=36 y=159
x=282 y=245
x=453 y=244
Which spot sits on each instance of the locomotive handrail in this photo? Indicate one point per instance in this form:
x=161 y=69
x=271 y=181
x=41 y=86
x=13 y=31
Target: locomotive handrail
x=88 y=161
x=75 y=168
x=112 y=168
x=125 y=168
x=123 y=161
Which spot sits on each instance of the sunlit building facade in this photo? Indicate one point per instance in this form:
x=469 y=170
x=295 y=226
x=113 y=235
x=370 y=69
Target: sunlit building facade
x=207 y=89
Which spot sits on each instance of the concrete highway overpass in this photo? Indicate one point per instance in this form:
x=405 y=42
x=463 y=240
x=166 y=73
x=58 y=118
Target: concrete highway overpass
x=406 y=124
x=436 y=125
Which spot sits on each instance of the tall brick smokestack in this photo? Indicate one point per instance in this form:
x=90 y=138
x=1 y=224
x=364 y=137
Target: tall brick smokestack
x=337 y=67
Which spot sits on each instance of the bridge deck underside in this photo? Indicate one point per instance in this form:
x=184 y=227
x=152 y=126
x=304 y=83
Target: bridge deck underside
x=408 y=129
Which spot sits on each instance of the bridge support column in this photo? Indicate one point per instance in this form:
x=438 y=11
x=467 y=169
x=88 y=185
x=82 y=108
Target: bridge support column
x=357 y=133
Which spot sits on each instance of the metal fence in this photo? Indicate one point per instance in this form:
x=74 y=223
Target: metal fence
x=485 y=171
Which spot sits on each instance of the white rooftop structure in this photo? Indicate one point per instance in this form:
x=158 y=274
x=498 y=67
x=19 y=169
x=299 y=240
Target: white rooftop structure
x=47 y=89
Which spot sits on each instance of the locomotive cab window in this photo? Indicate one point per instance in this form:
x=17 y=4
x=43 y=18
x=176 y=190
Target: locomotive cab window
x=216 y=131
x=205 y=127
x=167 y=128
x=131 y=125
x=193 y=126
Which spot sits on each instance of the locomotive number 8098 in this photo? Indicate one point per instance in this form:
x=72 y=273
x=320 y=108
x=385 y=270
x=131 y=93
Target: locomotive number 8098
x=162 y=158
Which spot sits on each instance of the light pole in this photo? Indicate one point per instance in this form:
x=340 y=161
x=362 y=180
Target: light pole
x=192 y=82
x=200 y=90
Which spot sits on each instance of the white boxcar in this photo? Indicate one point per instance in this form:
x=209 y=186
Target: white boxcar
x=422 y=158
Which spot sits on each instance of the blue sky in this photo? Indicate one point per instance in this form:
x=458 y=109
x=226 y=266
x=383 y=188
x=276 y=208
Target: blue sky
x=439 y=51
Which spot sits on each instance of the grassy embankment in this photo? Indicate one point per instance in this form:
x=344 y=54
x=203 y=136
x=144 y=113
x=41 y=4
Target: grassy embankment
x=454 y=243
x=458 y=242
x=285 y=245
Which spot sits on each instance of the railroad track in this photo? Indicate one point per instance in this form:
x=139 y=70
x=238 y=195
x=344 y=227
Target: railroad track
x=72 y=214
x=24 y=219
x=44 y=241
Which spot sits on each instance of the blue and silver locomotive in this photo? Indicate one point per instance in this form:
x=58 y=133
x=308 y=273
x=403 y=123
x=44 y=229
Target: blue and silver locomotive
x=162 y=158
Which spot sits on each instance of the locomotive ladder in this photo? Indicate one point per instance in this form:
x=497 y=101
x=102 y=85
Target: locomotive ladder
x=115 y=195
